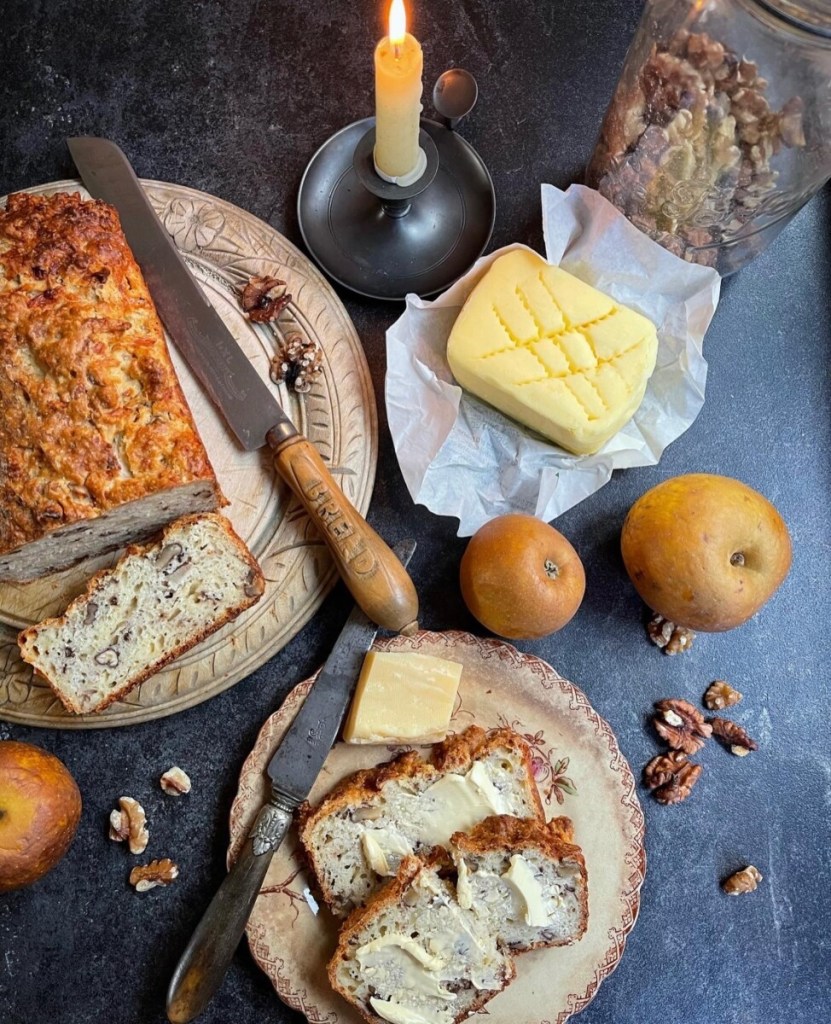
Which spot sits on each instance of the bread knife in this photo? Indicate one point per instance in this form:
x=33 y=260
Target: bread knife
x=293 y=769
x=377 y=580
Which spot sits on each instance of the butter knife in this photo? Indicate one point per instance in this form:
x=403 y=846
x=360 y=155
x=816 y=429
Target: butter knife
x=293 y=769
x=377 y=580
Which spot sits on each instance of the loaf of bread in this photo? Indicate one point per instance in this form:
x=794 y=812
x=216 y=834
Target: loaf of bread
x=357 y=837
x=524 y=879
x=97 y=445
x=157 y=602
x=414 y=955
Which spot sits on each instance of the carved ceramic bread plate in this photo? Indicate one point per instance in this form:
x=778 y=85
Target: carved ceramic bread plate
x=580 y=772
x=224 y=246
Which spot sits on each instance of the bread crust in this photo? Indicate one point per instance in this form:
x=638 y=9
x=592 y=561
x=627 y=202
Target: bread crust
x=27 y=637
x=93 y=416
x=389 y=894
x=455 y=754
x=552 y=839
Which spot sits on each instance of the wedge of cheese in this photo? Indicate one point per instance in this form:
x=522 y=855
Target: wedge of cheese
x=552 y=352
x=402 y=697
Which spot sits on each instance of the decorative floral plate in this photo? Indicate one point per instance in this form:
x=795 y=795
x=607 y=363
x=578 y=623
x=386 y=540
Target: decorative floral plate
x=224 y=246
x=580 y=772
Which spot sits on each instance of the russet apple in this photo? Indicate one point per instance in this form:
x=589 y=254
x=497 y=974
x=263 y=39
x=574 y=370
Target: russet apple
x=521 y=578
x=40 y=807
x=705 y=551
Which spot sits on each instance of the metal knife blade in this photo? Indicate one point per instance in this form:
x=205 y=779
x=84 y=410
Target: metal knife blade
x=293 y=769
x=199 y=332
x=297 y=761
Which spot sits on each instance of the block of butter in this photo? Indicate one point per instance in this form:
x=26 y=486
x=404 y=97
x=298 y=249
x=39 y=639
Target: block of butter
x=402 y=698
x=552 y=352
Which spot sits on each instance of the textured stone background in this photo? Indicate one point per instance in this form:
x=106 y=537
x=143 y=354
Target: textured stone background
x=233 y=98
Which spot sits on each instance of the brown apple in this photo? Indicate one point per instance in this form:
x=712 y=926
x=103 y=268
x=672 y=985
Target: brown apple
x=705 y=551
x=40 y=807
x=521 y=578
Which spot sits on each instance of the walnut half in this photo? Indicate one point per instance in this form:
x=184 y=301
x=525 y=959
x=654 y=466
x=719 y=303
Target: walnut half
x=671 y=777
x=157 y=872
x=733 y=736
x=720 y=694
x=681 y=725
x=128 y=823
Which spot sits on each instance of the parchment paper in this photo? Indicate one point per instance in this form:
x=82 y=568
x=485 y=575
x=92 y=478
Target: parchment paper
x=462 y=458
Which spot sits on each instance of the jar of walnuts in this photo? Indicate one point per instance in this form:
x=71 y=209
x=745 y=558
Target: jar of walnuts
x=720 y=127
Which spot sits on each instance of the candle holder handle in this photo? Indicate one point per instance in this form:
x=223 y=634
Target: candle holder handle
x=454 y=96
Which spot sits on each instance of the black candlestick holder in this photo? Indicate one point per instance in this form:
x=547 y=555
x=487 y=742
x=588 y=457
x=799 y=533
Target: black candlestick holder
x=384 y=240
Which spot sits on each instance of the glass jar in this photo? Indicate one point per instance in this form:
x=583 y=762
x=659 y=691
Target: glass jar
x=720 y=127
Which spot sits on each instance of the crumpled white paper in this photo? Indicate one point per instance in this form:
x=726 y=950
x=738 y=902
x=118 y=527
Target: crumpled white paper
x=460 y=457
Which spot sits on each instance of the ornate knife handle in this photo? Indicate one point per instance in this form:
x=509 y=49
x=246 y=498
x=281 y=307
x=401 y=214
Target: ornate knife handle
x=205 y=960
x=377 y=580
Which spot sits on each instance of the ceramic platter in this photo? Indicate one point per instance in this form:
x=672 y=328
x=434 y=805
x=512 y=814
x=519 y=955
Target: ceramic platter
x=224 y=246
x=580 y=772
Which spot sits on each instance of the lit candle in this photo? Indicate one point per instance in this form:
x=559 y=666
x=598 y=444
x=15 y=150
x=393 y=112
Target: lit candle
x=398 y=66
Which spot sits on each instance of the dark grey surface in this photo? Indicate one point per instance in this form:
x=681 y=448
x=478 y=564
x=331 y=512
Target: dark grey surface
x=234 y=98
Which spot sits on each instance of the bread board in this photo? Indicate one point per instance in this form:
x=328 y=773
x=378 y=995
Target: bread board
x=224 y=246
x=580 y=772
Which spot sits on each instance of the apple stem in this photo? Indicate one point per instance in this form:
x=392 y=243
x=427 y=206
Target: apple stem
x=551 y=570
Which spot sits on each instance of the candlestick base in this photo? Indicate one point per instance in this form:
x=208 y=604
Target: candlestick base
x=383 y=240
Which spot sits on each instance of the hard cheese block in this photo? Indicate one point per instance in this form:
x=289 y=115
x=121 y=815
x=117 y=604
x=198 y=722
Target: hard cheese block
x=552 y=352
x=402 y=697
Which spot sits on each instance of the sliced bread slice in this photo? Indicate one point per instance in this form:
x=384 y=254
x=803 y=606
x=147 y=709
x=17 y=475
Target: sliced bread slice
x=157 y=602
x=524 y=879
x=413 y=955
x=357 y=836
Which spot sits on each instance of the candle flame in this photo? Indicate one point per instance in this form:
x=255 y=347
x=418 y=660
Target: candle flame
x=398 y=22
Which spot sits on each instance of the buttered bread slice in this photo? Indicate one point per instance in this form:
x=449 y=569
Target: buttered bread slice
x=357 y=837
x=414 y=955
x=552 y=352
x=524 y=879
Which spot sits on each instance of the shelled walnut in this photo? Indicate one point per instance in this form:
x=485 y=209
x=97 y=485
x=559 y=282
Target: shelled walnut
x=298 y=362
x=157 y=872
x=671 y=777
x=175 y=782
x=720 y=694
x=681 y=725
x=733 y=736
x=746 y=880
x=670 y=638
x=128 y=823
x=264 y=298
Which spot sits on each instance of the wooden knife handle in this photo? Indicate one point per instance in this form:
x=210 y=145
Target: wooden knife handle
x=377 y=580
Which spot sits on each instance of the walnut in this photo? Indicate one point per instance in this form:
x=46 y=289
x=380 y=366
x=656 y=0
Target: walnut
x=733 y=736
x=128 y=823
x=262 y=299
x=671 y=777
x=298 y=362
x=720 y=694
x=681 y=725
x=745 y=880
x=175 y=782
x=157 y=872
x=670 y=638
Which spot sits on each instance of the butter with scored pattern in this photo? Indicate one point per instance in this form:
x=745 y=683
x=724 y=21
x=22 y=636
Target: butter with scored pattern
x=551 y=352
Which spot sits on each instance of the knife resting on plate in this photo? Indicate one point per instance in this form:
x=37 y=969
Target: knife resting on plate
x=376 y=578
x=293 y=769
